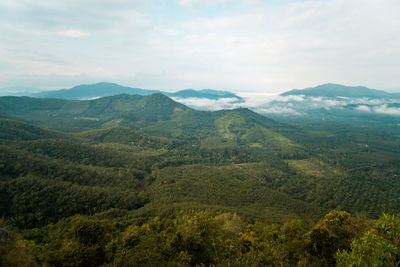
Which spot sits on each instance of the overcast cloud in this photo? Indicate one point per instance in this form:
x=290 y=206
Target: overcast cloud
x=236 y=45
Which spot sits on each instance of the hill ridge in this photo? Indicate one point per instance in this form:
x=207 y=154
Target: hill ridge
x=339 y=90
x=101 y=89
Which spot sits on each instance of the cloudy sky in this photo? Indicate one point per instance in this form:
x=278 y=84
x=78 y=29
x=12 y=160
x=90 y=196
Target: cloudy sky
x=237 y=45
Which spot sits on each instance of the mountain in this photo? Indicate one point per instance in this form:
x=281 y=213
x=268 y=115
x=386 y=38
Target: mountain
x=337 y=90
x=143 y=180
x=16 y=130
x=92 y=91
x=133 y=110
x=334 y=103
x=127 y=135
x=204 y=93
x=155 y=114
x=196 y=157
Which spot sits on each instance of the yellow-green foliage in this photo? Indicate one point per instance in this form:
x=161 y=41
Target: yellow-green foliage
x=15 y=254
x=239 y=128
x=314 y=167
x=379 y=246
x=196 y=238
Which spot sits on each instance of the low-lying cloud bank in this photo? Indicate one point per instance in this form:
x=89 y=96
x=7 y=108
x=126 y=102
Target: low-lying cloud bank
x=380 y=109
x=208 y=104
x=295 y=104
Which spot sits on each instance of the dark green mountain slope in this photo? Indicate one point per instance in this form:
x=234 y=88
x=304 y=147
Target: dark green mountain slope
x=16 y=130
x=337 y=90
x=139 y=169
x=99 y=108
x=127 y=136
x=148 y=181
x=155 y=133
x=88 y=114
x=155 y=114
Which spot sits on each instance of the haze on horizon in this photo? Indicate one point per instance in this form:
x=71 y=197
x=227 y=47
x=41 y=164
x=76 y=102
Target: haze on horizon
x=236 y=45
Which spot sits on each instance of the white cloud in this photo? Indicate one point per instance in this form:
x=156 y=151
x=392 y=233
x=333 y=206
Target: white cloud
x=72 y=33
x=189 y=3
x=272 y=104
x=272 y=46
x=210 y=3
x=363 y=108
x=218 y=23
x=261 y=103
x=384 y=109
x=380 y=109
x=277 y=110
x=208 y=104
x=263 y=107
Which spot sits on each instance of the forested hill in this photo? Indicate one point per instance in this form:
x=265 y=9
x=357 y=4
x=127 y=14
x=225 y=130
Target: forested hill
x=155 y=114
x=173 y=137
x=128 y=179
x=16 y=130
x=88 y=114
x=102 y=107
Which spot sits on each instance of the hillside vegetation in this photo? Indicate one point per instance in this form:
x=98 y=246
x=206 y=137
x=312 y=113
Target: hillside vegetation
x=132 y=180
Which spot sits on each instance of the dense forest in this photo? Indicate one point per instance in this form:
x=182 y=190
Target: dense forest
x=133 y=180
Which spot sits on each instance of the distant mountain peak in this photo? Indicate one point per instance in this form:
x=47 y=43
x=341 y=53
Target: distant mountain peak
x=337 y=90
x=102 y=89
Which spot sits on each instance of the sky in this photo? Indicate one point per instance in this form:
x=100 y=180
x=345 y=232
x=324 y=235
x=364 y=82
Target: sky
x=256 y=46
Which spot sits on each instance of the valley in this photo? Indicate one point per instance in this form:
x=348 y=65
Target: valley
x=130 y=159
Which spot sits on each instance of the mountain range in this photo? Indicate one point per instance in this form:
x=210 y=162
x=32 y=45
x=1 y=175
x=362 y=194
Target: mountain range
x=155 y=114
x=97 y=90
x=130 y=178
x=91 y=91
x=332 y=102
x=156 y=121
x=337 y=90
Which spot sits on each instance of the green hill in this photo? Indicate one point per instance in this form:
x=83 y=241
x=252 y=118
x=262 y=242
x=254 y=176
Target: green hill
x=127 y=136
x=127 y=179
x=88 y=114
x=16 y=130
x=155 y=114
